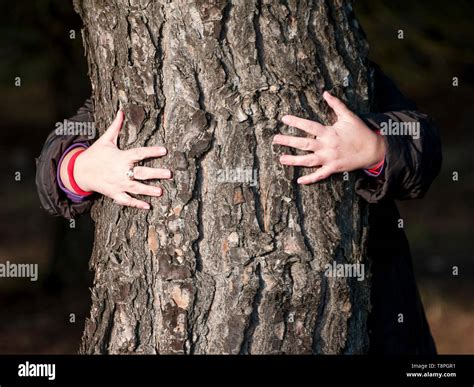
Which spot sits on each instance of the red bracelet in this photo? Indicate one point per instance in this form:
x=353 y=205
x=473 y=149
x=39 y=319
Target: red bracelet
x=70 y=173
x=377 y=168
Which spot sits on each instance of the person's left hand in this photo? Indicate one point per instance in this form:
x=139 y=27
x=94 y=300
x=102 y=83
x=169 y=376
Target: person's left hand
x=343 y=147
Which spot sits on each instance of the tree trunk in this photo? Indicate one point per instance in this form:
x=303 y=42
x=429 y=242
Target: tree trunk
x=232 y=259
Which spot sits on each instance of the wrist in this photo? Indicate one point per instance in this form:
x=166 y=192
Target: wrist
x=79 y=174
x=378 y=155
x=63 y=168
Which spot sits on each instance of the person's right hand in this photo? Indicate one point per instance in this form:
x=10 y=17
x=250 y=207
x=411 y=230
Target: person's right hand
x=103 y=168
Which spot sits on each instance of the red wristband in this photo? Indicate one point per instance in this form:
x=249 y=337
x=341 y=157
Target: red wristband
x=70 y=173
x=377 y=168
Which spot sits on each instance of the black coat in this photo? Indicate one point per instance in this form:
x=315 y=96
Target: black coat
x=411 y=165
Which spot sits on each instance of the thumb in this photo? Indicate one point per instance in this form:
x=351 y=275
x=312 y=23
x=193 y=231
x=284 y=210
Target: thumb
x=337 y=105
x=111 y=134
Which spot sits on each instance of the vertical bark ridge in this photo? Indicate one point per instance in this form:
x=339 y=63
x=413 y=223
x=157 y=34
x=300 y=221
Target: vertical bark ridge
x=253 y=320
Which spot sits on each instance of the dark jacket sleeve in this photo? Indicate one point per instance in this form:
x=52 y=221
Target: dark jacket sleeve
x=52 y=198
x=411 y=162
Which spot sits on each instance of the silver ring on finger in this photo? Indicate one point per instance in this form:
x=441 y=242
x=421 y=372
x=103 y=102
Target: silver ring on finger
x=131 y=173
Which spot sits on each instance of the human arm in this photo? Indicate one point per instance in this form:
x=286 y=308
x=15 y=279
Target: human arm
x=101 y=167
x=411 y=162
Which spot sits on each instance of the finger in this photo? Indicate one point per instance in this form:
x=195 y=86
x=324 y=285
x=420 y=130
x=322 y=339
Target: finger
x=145 y=173
x=144 y=189
x=111 y=134
x=311 y=160
x=126 y=200
x=322 y=173
x=138 y=154
x=337 y=105
x=303 y=143
x=311 y=127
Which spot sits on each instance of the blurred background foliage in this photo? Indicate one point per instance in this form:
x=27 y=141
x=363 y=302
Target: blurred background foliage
x=37 y=44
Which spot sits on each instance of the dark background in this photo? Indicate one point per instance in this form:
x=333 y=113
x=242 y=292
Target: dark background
x=36 y=45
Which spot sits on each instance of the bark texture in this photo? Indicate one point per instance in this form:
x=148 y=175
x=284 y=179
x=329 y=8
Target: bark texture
x=222 y=265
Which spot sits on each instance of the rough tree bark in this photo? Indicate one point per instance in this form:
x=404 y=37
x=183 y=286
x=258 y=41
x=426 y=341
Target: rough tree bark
x=221 y=265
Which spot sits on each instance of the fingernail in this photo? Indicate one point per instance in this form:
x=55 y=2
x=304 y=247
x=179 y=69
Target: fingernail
x=159 y=191
x=282 y=159
x=300 y=181
x=275 y=138
x=163 y=150
x=146 y=206
x=169 y=174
